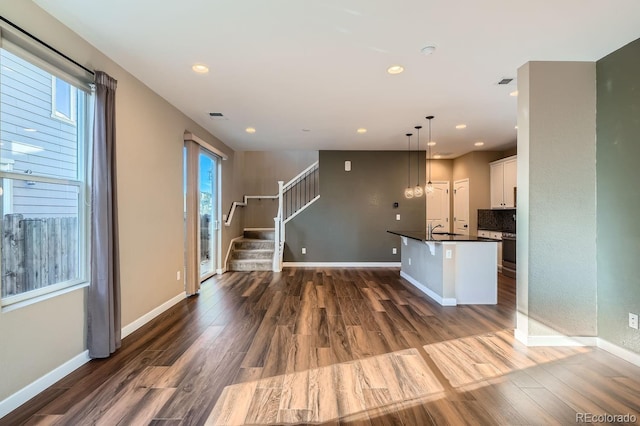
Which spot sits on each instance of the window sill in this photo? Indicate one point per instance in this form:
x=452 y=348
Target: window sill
x=37 y=299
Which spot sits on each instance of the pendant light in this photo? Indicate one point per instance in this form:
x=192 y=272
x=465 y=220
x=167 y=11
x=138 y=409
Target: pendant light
x=408 y=193
x=429 y=187
x=417 y=190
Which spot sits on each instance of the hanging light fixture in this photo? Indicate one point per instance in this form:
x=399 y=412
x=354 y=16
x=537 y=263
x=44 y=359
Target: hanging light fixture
x=417 y=190
x=408 y=193
x=429 y=187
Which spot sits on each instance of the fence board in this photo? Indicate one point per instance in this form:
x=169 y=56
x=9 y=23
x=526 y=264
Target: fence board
x=38 y=252
x=12 y=255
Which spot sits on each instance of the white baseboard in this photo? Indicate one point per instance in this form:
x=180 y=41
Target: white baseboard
x=130 y=328
x=25 y=394
x=557 y=340
x=444 y=301
x=548 y=335
x=342 y=264
x=620 y=352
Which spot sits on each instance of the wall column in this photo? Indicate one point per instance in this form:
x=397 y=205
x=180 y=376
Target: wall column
x=556 y=218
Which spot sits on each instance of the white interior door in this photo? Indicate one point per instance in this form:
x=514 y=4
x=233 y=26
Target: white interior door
x=438 y=206
x=461 y=207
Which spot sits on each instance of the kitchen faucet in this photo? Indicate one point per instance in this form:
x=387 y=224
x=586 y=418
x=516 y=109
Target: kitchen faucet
x=432 y=228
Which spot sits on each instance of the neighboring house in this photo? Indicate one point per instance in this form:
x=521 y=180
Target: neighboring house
x=39 y=136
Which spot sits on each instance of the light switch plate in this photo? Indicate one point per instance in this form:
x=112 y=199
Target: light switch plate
x=398 y=217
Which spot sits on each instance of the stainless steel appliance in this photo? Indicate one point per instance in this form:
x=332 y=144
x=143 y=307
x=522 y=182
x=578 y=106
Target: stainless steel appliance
x=509 y=254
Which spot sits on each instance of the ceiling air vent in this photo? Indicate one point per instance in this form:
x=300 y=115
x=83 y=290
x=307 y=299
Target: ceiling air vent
x=217 y=116
x=505 y=81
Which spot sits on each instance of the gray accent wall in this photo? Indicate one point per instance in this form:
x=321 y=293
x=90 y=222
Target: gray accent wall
x=556 y=218
x=618 y=197
x=349 y=221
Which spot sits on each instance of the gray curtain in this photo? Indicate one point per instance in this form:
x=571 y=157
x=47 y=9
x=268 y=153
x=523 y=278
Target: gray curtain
x=103 y=305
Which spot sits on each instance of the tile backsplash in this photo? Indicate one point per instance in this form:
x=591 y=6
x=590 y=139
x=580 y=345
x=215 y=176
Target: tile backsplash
x=497 y=220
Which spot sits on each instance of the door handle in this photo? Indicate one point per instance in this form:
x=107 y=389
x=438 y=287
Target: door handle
x=466 y=226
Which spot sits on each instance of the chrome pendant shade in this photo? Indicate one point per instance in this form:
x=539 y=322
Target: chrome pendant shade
x=429 y=187
x=417 y=190
x=408 y=193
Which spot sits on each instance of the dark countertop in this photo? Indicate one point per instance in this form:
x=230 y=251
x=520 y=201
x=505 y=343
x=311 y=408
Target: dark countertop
x=442 y=238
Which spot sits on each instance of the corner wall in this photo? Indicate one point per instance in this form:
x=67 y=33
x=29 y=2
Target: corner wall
x=262 y=171
x=618 y=76
x=556 y=225
x=475 y=167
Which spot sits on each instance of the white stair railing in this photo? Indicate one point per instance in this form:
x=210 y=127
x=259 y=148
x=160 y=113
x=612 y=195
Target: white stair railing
x=293 y=198
x=243 y=203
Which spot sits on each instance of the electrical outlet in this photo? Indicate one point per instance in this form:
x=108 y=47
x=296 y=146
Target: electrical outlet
x=394 y=251
x=397 y=217
x=304 y=250
x=633 y=320
x=178 y=276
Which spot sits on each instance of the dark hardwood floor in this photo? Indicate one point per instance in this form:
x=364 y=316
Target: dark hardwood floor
x=334 y=346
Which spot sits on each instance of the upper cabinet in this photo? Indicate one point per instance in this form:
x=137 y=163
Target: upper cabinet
x=504 y=179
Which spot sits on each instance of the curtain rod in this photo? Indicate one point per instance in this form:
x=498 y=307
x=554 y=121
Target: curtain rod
x=48 y=46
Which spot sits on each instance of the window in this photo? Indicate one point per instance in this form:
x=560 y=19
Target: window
x=63 y=100
x=43 y=180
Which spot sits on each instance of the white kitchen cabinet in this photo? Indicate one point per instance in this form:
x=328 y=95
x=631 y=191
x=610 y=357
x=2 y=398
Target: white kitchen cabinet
x=496 y=235
x=503 y=181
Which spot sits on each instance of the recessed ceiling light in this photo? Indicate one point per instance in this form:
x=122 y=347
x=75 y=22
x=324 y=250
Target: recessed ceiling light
x=361 y=130
x=200 y=68
x=250 y=130
x=516 y=127
x=395 y=69
x=437 y=156
x=461 y=126
x=479 y=143
x=432 y=143
x=514 y=93
x=29 y=129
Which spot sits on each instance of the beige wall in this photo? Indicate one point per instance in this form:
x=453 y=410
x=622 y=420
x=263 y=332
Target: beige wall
x=37 y=338
x=475 y=167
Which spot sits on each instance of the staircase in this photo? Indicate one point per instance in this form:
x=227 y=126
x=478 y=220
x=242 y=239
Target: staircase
x=253 y=252
x=263 y=250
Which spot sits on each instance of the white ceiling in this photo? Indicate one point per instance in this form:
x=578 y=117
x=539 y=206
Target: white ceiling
x=281 y=66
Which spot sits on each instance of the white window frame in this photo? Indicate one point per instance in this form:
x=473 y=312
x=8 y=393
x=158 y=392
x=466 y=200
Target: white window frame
x=82 y=183
x=72 y=100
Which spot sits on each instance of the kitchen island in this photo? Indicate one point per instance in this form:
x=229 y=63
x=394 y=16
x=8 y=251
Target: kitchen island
x=452 y=269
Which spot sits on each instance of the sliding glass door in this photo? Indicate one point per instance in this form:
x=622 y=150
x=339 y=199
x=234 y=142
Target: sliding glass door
x=202 y=215
x=208 y=221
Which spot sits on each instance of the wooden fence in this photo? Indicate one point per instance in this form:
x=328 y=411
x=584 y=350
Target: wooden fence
x=38 y=252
